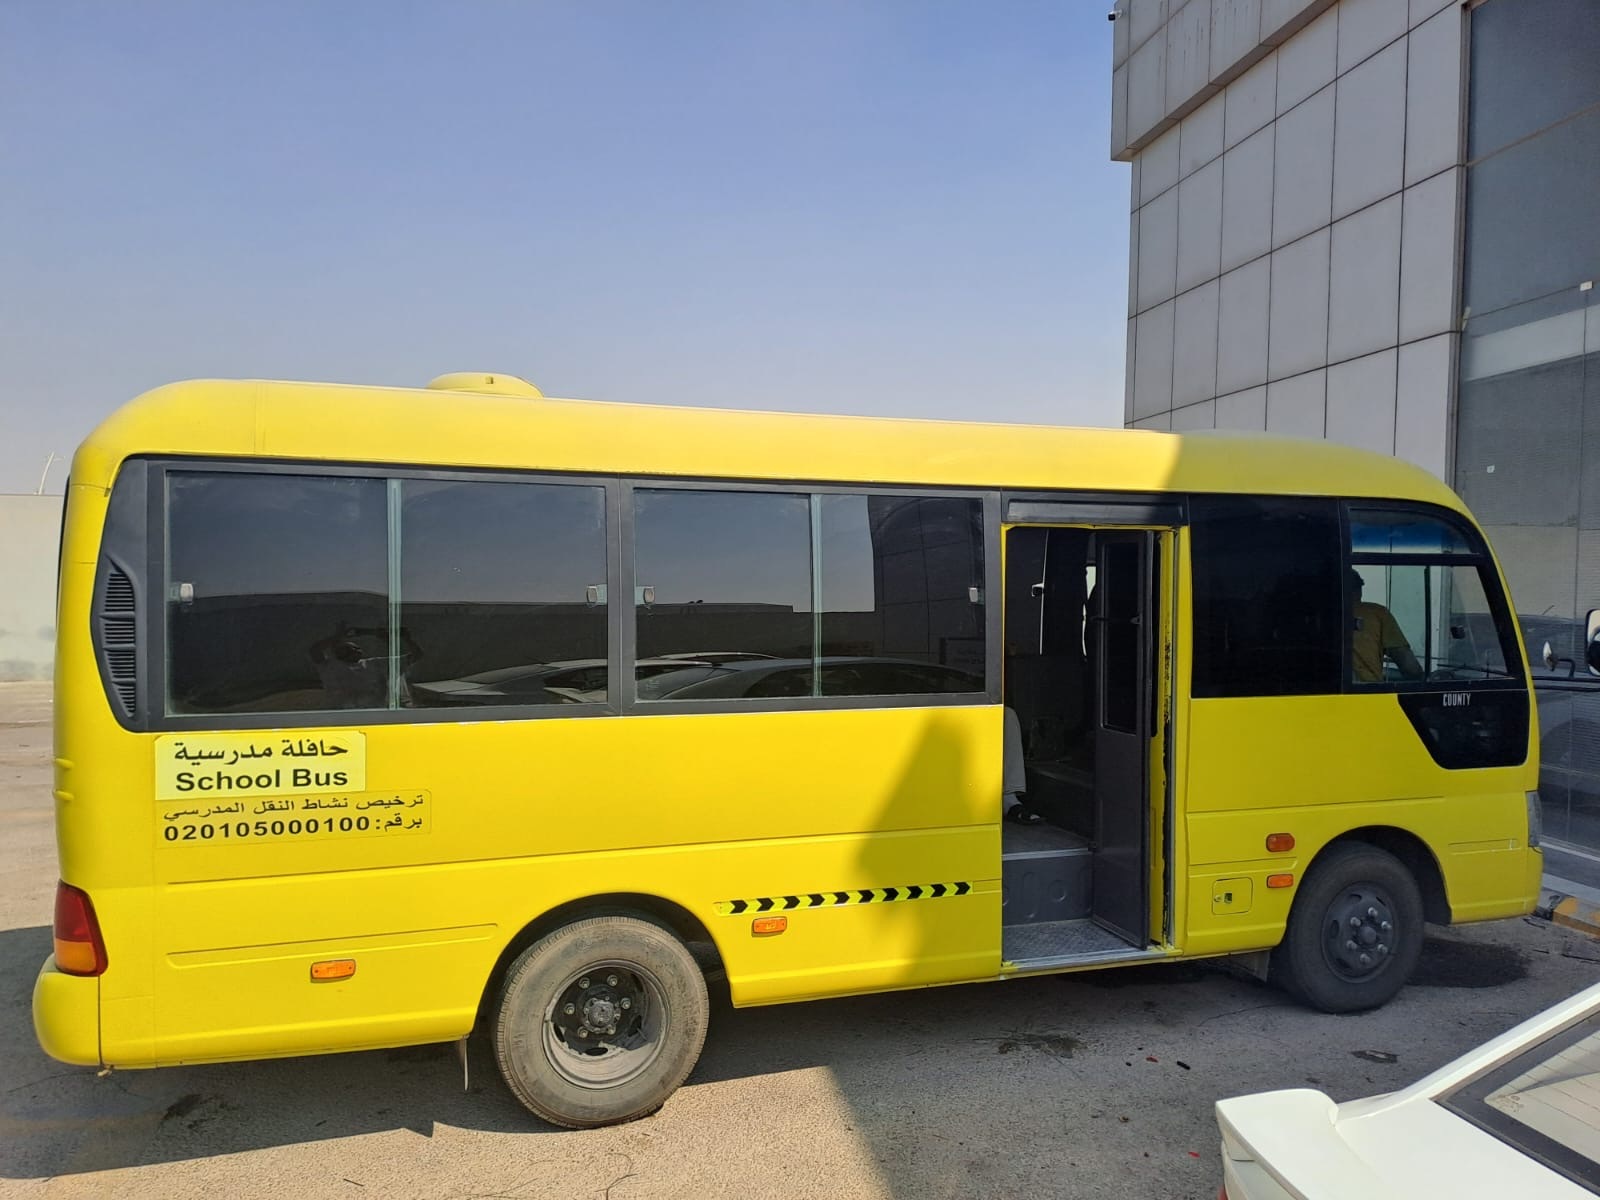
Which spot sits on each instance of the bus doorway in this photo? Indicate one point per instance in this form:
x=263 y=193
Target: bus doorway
x=1082 y=611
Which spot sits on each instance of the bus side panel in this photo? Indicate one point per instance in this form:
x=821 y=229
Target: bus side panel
x=1318 y=767
x=102 y=807
x=831 y=808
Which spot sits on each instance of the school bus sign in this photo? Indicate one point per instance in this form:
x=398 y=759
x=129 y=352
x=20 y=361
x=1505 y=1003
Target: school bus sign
x=193 y=766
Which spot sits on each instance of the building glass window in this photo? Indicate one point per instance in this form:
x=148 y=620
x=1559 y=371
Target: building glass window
x=1528 y=406
x=1531 y=227
x=1533 y=63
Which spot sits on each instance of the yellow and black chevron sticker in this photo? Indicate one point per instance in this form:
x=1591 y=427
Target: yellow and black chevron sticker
x=888 y=895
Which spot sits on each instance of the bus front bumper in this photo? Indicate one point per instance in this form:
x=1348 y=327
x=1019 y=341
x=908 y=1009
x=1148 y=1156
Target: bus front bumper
x=66 y=1015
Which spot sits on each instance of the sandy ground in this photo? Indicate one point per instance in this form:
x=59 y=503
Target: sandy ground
x=1096 y=1085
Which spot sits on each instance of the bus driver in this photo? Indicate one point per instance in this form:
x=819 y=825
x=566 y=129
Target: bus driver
x=1374 y=636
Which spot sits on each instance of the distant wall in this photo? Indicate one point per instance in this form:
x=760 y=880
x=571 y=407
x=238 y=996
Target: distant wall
x=30 y=529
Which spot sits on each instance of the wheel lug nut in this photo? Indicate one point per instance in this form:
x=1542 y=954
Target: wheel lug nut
x=1355 y=922
x=626 y=1003
x=611 y=1029
x=1382 y=949
x=611 y=980
x=570 y=1009
x=1350 y=945
x=1373 y=913
x=1385 y=926
x=1366 y=960
x=584 y=982
x=583 y=1032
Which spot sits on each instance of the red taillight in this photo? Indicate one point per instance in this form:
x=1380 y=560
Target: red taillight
x=1222 y=1192
x=80 y=950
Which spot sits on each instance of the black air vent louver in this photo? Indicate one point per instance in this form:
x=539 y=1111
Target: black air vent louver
x=118 y=637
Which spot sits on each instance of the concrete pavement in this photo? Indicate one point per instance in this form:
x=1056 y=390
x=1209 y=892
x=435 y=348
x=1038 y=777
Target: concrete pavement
x=1096 y=1085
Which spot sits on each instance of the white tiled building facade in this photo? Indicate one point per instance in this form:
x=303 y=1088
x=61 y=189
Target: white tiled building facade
x=1296 y=204
x=1378 y=222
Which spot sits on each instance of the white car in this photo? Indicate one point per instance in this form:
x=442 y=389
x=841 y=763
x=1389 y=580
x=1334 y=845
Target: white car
x=1518 y=1118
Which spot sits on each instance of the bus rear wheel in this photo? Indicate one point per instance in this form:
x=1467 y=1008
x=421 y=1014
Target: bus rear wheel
x=1354 y=933
x=600 y=1021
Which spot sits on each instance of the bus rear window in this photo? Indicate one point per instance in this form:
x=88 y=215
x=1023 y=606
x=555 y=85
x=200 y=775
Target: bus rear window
x=277 y=593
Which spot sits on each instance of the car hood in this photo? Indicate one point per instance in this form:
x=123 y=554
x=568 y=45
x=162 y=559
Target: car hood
x=1395 y=1147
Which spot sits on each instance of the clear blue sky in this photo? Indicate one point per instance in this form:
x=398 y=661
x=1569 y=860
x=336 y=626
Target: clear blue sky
x=876 y=206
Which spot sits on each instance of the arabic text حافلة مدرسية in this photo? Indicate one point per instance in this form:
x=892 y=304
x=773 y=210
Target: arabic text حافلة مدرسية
x=312 y=748
x=292 y=748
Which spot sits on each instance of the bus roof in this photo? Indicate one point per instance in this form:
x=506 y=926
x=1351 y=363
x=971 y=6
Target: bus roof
x=443 y=428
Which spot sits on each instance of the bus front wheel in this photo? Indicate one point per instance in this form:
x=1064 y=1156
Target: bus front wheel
x=600 y=1021
x=1354 y=932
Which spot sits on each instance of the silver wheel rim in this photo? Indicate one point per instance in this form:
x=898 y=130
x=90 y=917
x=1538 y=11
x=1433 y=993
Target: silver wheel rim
x=603 y=1027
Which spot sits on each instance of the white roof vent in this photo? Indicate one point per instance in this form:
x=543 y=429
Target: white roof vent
x=488 y=382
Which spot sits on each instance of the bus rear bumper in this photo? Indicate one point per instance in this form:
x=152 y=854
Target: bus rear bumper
x=1533 y=882
x=66 y=1015
x=1494 y=885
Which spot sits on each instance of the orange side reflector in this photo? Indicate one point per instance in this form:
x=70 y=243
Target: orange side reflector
x=766 y=926
x=1280 y=881
x=332 y=968
x=1279 y=842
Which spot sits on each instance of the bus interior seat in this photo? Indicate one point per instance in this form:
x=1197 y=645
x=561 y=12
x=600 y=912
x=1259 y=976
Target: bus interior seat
x=1046 y=690
x=1047 y=670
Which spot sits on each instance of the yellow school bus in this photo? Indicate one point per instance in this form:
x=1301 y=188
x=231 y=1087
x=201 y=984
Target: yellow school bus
x=384 y=716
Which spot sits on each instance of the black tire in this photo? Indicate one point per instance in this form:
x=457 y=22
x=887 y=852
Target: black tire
x=646 y=998
x=1316 y=963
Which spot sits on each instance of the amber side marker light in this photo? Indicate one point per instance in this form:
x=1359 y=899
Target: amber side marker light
x=767 y=926
x=79 y=948
x=1280 y=881
x=1279 y=842
x=331 y=969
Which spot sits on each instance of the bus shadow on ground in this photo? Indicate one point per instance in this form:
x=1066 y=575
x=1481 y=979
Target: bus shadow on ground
x=1116 y=1068
x=61 y=1120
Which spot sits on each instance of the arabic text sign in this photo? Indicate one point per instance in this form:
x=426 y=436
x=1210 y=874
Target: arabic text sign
x=246 y=821
x=221 y=766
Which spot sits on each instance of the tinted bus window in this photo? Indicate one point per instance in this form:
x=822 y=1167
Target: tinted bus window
x=1417 y=621
x=277 y=593
x=1267 y=597
x=898 y=576
x=502 y=589
x=722 y=580
x=1423 y=602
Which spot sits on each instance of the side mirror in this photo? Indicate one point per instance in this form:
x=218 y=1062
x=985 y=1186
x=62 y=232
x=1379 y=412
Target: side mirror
x=1591 y=651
